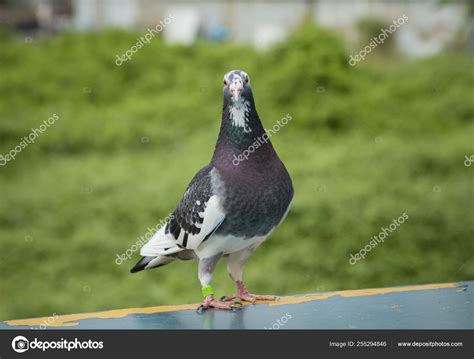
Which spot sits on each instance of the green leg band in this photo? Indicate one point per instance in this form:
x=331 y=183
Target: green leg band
x=207 y=290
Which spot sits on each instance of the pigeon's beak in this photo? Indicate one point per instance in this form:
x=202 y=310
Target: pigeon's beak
x=236 y=88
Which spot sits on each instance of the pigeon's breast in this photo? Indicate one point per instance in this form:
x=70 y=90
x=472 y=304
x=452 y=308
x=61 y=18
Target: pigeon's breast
x=255 y=200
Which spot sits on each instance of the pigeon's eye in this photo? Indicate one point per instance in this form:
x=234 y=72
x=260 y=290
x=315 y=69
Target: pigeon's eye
x=225 y=82
x=247 y=80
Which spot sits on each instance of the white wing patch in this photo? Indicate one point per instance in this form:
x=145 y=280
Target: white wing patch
x=164 y=244
x=160 y=244
x=213 y=216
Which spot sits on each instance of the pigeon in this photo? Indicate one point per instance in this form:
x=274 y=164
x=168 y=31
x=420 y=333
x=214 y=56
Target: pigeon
x=231 y=205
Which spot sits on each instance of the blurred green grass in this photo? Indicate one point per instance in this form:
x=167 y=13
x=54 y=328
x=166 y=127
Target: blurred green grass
x=366 y=144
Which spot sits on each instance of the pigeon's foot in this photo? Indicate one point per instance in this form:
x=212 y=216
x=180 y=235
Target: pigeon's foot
x=243 y=294
x=210 y=302
x=248 y=297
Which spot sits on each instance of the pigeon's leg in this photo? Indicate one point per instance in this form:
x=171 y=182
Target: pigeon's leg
x=235 y=267
x=206 y=267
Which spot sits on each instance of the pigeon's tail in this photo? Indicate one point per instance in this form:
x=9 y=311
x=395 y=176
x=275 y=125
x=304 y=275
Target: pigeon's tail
x=149 y=262
x=160 y=250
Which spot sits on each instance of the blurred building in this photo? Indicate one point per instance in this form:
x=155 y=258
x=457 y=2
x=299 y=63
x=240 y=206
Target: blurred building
x=432 y=24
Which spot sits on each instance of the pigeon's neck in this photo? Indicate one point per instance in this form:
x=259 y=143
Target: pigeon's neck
x=240 y=124
x=241 y=130
x=240 y=115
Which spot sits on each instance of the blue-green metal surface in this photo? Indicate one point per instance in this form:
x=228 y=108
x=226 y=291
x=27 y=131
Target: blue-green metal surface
x=441 y=308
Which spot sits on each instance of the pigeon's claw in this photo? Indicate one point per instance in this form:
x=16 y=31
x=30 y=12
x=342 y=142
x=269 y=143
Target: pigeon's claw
x=248 y=297
x=243 y=294
x=210 y=302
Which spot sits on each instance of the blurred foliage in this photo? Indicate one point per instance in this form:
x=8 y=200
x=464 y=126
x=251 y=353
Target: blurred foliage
x=366 y=144
x=370 y=27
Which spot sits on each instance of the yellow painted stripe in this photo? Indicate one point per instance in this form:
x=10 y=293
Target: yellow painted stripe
x=361 y=293
x=71 y=319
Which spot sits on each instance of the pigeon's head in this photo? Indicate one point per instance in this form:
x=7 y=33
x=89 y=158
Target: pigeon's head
x=237 y=86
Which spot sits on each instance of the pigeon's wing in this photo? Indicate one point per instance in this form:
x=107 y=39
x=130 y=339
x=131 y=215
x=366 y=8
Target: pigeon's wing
x=193 y=221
